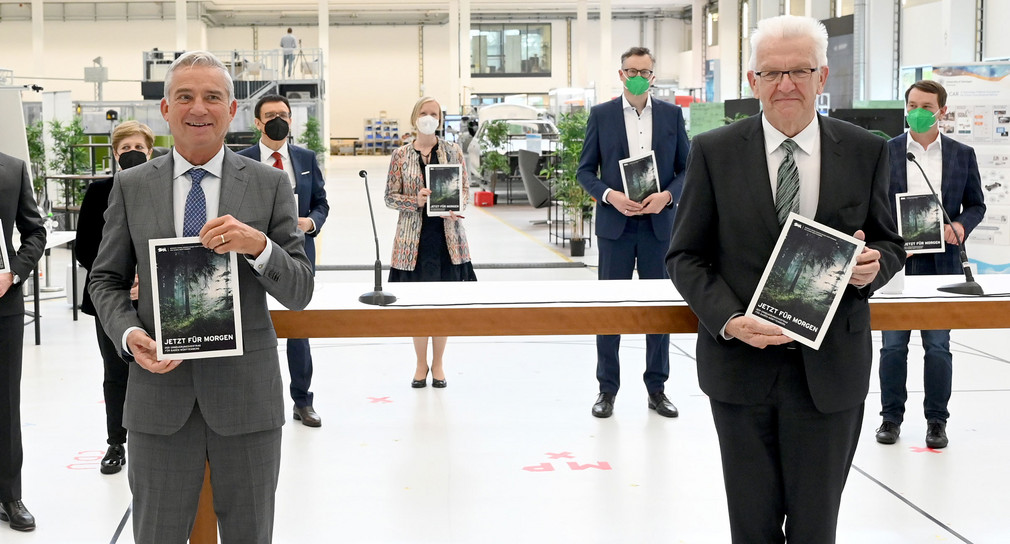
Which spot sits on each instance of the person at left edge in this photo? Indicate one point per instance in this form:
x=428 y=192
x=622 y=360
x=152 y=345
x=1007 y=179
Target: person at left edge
x=633 y=234
x=226 y=411
x=17 y=208
x=132 y=144
x=273 y=119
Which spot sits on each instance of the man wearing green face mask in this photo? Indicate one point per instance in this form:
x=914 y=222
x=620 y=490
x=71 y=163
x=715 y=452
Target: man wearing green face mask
x=633 y=234
x=953 y=165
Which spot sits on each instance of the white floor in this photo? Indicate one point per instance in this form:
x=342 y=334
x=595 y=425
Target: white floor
x=509 y=451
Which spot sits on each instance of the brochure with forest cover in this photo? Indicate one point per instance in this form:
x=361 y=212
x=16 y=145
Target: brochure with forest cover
x=446 y=184
x=197 y=312
x=920 y=222
x=804 y=279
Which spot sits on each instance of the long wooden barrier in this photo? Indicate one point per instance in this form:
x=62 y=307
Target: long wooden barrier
x=546 y=308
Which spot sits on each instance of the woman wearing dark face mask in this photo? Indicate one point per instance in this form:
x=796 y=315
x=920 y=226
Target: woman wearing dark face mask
x=426 y=248
x=132 y=143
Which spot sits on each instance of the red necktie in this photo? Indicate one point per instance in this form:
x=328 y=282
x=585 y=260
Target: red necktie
x=277 y=160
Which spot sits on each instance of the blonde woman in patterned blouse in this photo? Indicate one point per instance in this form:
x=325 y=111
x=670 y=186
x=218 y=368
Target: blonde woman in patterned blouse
x=426 y=248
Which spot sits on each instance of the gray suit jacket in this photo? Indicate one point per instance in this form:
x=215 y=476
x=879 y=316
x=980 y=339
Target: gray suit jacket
x=236 y=394
x=725 y=231
x=18 y=209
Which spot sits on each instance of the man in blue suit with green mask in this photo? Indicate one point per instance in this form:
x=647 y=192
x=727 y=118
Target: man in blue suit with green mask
x=633 y=234
x=953 y=165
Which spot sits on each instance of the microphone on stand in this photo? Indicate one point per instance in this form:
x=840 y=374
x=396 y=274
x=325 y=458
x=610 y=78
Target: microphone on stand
x=969 y=286
x=377 y=297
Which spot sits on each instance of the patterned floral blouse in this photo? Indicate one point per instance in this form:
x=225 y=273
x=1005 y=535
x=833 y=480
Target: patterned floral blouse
x=404 y=181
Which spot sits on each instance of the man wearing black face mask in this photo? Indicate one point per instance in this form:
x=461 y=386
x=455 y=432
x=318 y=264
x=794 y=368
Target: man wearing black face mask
x=132 y=143
x=273 y=118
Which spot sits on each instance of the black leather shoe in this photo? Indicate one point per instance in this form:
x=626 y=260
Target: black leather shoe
x=888 y=432
x=308 y=416
x=662 y=405
x=115 y=459
x=438 y=383
x=604 y=406
x=936 y=435
x=18 y=516
x=423 y=382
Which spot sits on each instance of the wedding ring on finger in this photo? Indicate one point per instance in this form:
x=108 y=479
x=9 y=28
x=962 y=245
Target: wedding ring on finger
x=223 y=241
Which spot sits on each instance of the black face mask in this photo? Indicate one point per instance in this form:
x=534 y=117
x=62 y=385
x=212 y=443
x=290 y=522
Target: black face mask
x=276 y=129
x=131 y=159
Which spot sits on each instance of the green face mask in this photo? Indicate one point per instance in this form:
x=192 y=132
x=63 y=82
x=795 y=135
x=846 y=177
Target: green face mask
x=920 y=120
x=637 y=85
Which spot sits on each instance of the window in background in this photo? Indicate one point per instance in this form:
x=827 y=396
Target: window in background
x=512 y=50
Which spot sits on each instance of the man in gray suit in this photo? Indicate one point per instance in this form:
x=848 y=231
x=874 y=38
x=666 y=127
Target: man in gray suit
x=17 y=209
x=225 y=411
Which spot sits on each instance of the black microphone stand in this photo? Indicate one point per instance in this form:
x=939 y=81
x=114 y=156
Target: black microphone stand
x=378 y=297
x=969 y=286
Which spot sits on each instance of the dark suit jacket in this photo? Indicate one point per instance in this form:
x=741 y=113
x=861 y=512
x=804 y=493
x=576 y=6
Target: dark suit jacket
x=90 y=222
x=17 y=208
x=607 y=143
x=960 y=191
x=237 y=395
x=725 y=231
x=309 y=188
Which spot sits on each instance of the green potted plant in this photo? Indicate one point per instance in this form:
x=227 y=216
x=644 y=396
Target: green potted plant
x=37 y=152
x=578 y=204
x=492 y=160
x=312 y=139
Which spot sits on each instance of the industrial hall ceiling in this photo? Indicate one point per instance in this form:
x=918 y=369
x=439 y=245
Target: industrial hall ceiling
x=219 y=13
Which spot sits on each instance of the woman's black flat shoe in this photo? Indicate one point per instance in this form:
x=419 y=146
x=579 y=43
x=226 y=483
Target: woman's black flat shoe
x=114 y=459
x=423 y=382
x=438 y=383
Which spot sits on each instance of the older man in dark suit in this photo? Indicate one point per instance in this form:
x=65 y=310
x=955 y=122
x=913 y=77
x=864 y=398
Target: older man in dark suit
x=787 y=416
x=17 y=209
x=633 y=234
x=225 y=411
x=273 y=119
x=953 y=164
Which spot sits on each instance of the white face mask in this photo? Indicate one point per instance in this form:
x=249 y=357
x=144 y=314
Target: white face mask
x=427 y=125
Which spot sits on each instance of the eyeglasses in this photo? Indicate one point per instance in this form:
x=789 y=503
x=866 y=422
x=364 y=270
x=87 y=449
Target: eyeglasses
x=773 y=76
x=632 y=72
x=272 y=114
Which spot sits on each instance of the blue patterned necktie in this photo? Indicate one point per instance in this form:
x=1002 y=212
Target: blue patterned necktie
x=787 y=190
x=196 y=205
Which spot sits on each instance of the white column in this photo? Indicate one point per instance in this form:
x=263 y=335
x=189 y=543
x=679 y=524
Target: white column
x=878 y=46
x=697 y=79
x=452 y=101
x=958 y=26
x=180 y=25
x=729 y=62
x=818 y=9
x=465 y=53
x=581 y=76
x=605 y=71
x=324 y=72
x=38 y=35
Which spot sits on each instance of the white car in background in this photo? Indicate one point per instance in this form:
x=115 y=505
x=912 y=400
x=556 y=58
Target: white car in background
x=526 y=131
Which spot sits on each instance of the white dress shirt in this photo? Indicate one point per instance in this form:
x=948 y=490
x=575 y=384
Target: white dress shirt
x=267 y=159
x=931 y=159
x=807 y=157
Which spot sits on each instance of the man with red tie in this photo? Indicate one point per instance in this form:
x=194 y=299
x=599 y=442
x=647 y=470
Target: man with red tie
x=273 y=119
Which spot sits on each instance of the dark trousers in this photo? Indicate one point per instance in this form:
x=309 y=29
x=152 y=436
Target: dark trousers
x=167 y=472
x=784 y=462
x=117 y=373
x=638 y=248
x=938 y=370
x=12 y=330
x=300 y=367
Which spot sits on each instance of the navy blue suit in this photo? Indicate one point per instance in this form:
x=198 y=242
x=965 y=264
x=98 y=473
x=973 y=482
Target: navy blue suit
x=312 y=204
x=628 y=242
x=963 y=200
